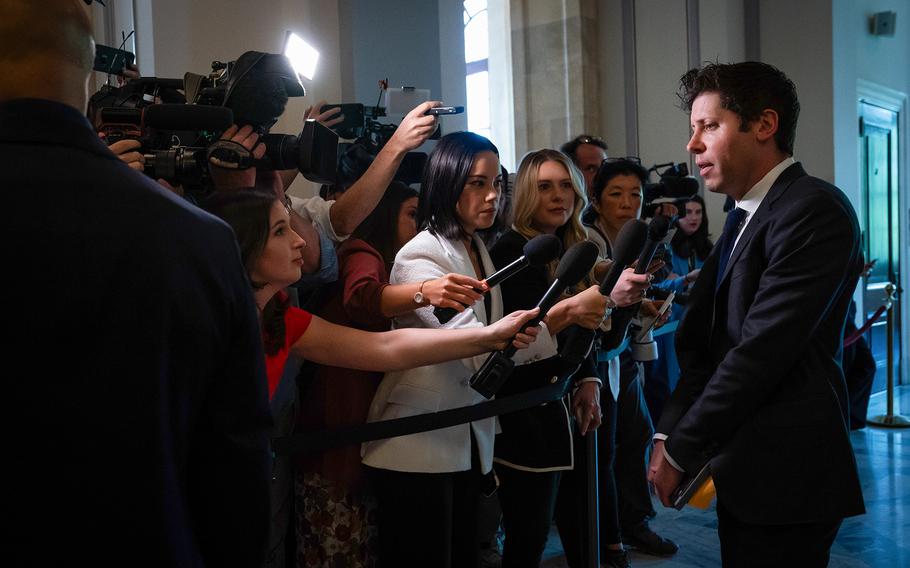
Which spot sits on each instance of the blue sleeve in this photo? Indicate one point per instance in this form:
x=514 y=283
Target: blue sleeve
x=328 y=267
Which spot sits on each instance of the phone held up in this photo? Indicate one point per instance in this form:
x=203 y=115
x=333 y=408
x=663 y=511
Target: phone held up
x=110 y=60
x=440 y=110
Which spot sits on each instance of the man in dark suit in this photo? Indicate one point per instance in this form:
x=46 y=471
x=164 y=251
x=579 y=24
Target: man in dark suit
x=762 y=397
x=135 y=409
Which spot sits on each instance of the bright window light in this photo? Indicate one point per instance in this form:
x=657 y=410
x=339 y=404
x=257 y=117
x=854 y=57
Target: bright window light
x=302 y=55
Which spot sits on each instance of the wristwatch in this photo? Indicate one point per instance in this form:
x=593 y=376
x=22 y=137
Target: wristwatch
x=418 y=296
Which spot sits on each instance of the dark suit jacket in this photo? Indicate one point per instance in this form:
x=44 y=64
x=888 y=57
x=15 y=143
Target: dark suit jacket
x=135 y=411
x=762 y=394
x=538 y=438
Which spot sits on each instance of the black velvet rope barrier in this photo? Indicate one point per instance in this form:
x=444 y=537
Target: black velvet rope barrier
x=323 y=440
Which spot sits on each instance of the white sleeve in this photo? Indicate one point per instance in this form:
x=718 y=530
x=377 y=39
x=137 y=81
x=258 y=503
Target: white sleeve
x=317 y=210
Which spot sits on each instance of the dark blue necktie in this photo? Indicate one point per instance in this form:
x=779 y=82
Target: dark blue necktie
x=728 y=239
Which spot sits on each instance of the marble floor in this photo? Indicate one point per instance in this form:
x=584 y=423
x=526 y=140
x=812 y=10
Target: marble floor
x=878 y=539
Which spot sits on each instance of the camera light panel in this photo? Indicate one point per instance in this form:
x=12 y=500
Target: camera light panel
x=303 y=56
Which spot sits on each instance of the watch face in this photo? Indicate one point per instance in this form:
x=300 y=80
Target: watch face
x=418 y=298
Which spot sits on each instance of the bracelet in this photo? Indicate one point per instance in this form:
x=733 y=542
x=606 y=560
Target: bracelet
x=418 y=297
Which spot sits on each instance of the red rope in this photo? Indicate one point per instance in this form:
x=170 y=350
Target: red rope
x=854 y=337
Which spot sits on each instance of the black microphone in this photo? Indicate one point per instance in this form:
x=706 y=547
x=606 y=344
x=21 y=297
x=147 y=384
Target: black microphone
x=188 y=117
x=577 y=262
x=536 y=252
x=657 y=231
x=629 y=244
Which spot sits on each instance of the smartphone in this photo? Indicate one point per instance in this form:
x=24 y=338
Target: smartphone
x=436 y=111
x=663 y=309
x=110 y=60
x=352 y=125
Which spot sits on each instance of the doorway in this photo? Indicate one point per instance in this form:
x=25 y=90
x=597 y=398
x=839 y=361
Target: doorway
x=879 y=163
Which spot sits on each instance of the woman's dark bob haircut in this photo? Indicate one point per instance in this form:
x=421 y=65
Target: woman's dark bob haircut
x=444 y=178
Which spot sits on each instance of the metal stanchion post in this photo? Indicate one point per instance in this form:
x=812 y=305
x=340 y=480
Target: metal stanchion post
x=592 y=508
x=890 y=420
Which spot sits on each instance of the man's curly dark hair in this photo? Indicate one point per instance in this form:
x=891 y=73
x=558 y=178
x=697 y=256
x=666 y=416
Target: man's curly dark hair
x=747 y=88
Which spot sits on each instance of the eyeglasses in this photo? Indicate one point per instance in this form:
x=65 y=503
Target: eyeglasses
x=633 y=159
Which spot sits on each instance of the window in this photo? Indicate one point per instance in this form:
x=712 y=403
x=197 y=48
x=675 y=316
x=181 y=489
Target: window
x=477 y=59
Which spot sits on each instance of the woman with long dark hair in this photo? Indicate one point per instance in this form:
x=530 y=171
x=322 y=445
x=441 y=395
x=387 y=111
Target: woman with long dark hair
x=689 y=249
x=272 y=254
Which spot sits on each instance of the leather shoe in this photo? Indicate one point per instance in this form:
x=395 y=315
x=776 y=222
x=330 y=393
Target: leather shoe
x=643 y=539
x=615 y=559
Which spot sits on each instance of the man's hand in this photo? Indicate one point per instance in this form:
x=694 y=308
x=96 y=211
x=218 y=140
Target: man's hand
x=586 y=407
x=329 y=118
x=225 y=178
x=130 y=71
x=126 y=150
x=663 y=477
x=415 y=128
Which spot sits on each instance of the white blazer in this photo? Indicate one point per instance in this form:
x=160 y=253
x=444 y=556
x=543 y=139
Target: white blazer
x=439 y=387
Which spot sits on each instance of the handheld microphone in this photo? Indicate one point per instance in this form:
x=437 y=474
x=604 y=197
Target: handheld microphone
x=657 y=231
x=188 y=117
x=629 y=244
x=577 y=262
x=536 y=252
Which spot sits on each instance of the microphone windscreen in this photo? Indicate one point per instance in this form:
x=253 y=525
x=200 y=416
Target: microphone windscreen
x=658 y=227
x=577 y=261
x=629 y=242
x=542 y=249
x=188 y=117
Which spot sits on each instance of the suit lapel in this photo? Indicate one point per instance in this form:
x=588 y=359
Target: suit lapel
x=495 y=296
x=461 y=260
x=784 y=180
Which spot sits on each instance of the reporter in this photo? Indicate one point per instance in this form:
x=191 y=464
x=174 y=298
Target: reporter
x=335 y=396
x=271 y=252
x=427 y=484
x=616 y=198
x=689 y=249
x=535 y=445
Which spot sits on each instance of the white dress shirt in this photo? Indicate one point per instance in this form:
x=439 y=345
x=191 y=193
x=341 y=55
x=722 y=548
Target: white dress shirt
x=749 y=203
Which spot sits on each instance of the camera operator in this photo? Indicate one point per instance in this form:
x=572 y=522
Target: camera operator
x=137 y=434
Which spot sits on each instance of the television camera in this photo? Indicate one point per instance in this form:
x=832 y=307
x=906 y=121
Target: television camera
x=179 y=121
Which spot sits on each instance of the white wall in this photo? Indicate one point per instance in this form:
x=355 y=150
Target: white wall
x=797 y=37
x=721 y=33
x=661 y=58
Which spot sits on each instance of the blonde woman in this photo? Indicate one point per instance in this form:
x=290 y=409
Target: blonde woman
x=535 y=445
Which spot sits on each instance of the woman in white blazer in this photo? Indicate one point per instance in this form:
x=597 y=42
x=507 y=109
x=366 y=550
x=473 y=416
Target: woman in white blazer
x=427 y=484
